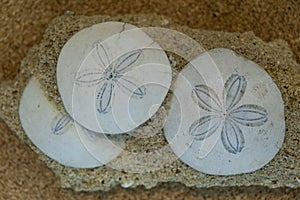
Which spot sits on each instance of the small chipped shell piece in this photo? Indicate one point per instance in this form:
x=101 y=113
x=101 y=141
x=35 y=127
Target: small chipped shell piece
x=55 y=133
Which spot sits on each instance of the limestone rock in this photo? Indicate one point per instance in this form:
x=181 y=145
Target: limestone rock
x=148 y=139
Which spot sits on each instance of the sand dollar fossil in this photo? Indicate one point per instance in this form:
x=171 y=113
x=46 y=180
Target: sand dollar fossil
x=55 y=134
x=226 y=116
x=111 y=76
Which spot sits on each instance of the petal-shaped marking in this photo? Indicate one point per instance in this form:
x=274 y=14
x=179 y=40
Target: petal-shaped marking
x=249 y=115
x=232 y=137
x=89 y=77
x=206 y=98
x=234 y=90
x=204 y=127
x=131 y=87
x=126 y=61
x=104 y=97
x=61 y=123
x=102 y=55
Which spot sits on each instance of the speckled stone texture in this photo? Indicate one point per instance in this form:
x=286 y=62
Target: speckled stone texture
x=275 y=57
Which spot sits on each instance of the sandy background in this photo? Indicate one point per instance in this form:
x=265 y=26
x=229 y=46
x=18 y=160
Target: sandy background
x=22 y=23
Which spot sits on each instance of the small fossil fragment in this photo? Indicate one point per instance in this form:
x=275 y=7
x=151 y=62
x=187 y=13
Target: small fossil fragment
x=56 y=135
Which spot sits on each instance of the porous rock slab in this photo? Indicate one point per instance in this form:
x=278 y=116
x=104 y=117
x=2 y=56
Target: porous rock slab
x=275 y=57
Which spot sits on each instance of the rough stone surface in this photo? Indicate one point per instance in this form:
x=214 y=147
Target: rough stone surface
x=275 y=57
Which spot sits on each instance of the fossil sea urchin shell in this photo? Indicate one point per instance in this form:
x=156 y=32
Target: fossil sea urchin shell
x=226 y=116
x=110 y=76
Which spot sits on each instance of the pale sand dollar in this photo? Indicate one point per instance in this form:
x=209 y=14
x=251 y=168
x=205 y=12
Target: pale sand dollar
x=55 y=133
x=226 y=116
x=111 y=76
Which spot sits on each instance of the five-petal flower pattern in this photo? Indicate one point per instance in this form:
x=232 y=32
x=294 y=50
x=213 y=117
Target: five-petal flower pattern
x=226 y=113
x=111 y=74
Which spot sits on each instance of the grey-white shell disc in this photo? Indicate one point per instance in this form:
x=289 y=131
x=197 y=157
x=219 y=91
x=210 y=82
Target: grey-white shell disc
x=226 y=116
x=112 y=76
x=55 y=133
